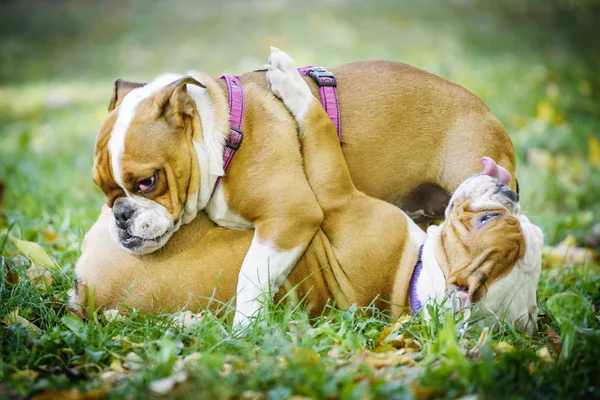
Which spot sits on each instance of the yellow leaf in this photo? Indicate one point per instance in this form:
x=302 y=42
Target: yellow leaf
x=116 y=365
x=25 y=374
x=594 y=152
x=544 y=354
x=35 y=253
x=13 y=317
x=50 y=236
x=390 y=359
x=504 y=347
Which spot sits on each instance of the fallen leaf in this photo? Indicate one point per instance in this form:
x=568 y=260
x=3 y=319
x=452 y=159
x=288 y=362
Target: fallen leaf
x=40 y=277
x=165 y=385
x=483 y=339
x=35 y=253
x=126 y=343
x=112 y=315
x=13 y=317
x=567 y=252
x=133 y=362
x=25 y=374
x=11 y=276
x=74 y=394
x=112 y=377
x=50 y=236
x=551 y=333
x=391 y=359
x=252 y=395
x=116 y=365
x=504 y=347
x=186 y=319
x=422 y=392
x=544 y=354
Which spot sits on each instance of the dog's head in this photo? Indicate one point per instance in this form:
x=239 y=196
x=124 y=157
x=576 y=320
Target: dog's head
x=489 y=253
x=145 y=160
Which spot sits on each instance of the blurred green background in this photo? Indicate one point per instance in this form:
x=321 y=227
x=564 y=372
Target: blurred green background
x=534 y=62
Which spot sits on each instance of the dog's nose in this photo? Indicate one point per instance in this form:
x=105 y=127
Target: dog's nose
x=508 y=192
x=122 y=215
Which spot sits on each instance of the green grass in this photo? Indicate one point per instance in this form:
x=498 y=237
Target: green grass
x=59 y=60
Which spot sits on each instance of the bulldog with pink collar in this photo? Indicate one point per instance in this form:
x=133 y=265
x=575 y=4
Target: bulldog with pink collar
x=364 y=249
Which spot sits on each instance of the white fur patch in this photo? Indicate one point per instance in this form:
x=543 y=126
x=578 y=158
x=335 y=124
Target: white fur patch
x=287 y=84
x=126 y=112
x=484 y=194
x=220 y=213
x=264 y=270
x=431 y=285
x=514 y=296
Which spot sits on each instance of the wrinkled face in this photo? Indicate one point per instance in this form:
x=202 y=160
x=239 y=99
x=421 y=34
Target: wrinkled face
x=145 y=163
x=490 y=254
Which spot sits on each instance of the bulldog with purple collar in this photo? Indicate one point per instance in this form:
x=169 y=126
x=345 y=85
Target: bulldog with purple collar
x=364 y=249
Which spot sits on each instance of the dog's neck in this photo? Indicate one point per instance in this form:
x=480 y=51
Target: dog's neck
x=432 y=281
x=213 y=111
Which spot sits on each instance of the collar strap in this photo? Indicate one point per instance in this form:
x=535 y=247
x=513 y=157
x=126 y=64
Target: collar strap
x=415 y=303
x=327 y=89
x=236 y=117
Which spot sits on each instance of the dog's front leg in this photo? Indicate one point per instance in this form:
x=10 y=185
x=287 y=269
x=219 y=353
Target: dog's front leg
x=277 y=245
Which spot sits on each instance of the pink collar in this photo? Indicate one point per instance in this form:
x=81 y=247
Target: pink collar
x=236 y=117
x=327 y=89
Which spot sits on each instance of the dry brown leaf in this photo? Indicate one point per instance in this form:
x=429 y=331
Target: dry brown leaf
x=391 y=359
x=74 y=394
x=40 y=277
x=554 y=338
x=567 y=252
x=11 y=276
x=421 y=392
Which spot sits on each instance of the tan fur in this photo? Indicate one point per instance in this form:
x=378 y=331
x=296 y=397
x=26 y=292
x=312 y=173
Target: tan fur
x=402 y=130
x=475 y=258
x=362 y=251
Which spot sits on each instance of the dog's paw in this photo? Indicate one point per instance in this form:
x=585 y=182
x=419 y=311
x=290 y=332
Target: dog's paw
x=287 y=84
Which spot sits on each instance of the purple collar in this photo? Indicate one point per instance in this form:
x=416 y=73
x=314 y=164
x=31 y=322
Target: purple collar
x=327 y=84
x=236 y=117
x=415 y=303
x=327 y=88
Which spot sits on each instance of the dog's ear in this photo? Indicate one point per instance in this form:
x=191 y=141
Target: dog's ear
x=173 y=101
x=121 y=89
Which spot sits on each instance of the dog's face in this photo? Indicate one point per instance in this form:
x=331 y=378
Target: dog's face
x=490 y=253
x=145 y=161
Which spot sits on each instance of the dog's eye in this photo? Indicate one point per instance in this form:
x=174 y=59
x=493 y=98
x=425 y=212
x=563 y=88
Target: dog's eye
x=147 y=184
x=485 y=218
